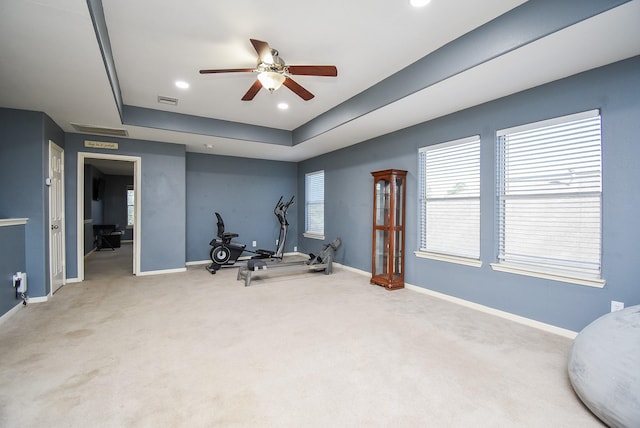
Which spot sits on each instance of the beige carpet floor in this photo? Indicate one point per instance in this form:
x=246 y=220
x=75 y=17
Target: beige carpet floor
x=298 y=350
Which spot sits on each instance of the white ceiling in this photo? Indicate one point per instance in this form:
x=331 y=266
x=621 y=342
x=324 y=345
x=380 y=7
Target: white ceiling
x=50 y=61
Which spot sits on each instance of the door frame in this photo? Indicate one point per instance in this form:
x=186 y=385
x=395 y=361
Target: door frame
x=137 y=222
x=54 y=146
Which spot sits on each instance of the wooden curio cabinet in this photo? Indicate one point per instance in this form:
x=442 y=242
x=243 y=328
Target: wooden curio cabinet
x=387 y=260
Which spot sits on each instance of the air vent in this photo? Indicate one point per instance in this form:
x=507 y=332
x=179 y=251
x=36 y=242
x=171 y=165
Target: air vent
x=167 y=100
x=100 y=130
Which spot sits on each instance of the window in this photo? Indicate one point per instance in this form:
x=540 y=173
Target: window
x=449 y=187
x=550 y=198
x=130 y=206
x=314 y=205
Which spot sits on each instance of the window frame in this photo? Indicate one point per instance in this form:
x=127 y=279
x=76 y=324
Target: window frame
x=506 y=262
x=451 y=254
x=308 y=177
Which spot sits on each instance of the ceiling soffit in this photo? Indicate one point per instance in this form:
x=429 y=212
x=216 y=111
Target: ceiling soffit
x=520 y=26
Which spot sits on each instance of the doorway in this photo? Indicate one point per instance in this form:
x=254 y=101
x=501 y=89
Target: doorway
x=134 y=162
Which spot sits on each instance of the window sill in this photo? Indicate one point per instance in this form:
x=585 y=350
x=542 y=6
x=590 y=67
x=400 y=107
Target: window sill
x=313 y=235
x=447 y=258
x=519 y=270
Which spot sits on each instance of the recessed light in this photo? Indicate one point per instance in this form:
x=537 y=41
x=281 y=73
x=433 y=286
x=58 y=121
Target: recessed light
x=208 y=146
x=419 y=3
x=283 y=106
x=182 y=84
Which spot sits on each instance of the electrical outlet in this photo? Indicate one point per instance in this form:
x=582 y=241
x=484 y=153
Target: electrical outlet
x=295 y=249
x=616 y=306
x=255 y=244
x=276 y=242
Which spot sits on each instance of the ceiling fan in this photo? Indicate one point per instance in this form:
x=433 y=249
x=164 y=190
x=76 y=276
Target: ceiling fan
x=273 y=72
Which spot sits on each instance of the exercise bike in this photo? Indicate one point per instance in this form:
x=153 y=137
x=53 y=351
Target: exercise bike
x=225 y=252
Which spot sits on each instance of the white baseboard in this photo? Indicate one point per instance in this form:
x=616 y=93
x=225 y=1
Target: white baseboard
x=10 y=312
x=198 y=262
x=19 y=306
x=502 y=314
x=352 y=269
x=161 y=272
x=482 y=308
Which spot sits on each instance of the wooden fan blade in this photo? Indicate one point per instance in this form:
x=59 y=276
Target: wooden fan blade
x=228 y=70
x=297 y=89
x=253 y=90
x=313 y=70
x=263 y=49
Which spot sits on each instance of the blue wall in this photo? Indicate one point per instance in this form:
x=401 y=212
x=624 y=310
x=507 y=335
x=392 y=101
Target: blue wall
x=614 y=89
x=12 y=260
x=180 y=192
x=244 y=192
x=163 y=200
x=24 y=140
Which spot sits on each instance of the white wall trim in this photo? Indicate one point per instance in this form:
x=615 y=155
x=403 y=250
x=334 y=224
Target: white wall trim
x=73 y=280
x=502 y=314
x=11 y=312
x=13 y=221
x=162 y=272
x=93 y=250
x=519 y=270
x=486 y=309
x=352 y=269
x=450 y=259
x=312 y=235
x=198 y=262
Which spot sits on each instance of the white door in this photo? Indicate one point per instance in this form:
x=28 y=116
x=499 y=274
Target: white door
x=56 y=216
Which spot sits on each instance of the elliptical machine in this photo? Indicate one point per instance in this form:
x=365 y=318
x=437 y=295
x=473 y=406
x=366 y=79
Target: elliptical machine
x=224 y=252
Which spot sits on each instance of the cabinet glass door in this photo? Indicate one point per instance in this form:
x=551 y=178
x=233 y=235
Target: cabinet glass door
x=383 y=199
x=399 y=202
x=398 y=254
x=382 y=255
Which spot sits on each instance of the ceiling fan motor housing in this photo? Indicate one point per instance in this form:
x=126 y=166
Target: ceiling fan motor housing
x=278 y=64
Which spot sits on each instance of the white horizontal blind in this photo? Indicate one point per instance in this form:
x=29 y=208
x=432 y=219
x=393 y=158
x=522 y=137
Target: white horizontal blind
x=314 y=203
x=450 y=198
x=550 y=192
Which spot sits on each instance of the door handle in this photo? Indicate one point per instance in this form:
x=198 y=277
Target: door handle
x=54 y=226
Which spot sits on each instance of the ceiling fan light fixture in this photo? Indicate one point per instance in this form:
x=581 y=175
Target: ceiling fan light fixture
x=271 y=80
